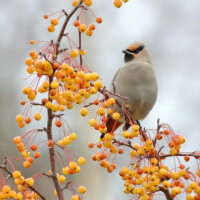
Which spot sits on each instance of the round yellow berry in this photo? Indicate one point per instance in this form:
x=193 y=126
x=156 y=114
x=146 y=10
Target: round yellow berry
x=19 y=118
x=81 y=189
x=117 y=3
x=72 y=136
x=75 y=2
x=98 y=84
x=82 y=28
x=54 y=21
x=116 y=116
x=73 y=53
x=37 y=116
x=81 y=161
x=84 y=112
x=29 y=181
x=111 y=101
x=93 y=122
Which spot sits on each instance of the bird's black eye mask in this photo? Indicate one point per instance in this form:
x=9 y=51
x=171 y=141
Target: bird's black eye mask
x=136 y=51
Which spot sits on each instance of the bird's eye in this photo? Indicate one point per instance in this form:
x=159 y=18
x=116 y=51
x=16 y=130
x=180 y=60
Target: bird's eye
x=136 y=51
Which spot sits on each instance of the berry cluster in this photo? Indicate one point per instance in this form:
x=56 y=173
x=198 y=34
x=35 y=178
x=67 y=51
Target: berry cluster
x=57 y=74
x=147 y=173
x=22 y=185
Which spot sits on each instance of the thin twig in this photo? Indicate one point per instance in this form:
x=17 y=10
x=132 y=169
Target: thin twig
x=124 y=144
x=180 y=154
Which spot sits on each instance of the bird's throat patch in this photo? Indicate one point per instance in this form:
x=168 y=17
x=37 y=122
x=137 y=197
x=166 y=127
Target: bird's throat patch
x=128 y=57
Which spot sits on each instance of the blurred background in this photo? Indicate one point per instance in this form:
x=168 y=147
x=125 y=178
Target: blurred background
x=171 y=31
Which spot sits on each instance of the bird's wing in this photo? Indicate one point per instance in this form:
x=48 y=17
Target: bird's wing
x=115 y=76
x=112 y=83
x=137 y=81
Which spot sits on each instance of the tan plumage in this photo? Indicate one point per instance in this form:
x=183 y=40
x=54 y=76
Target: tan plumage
x=137 y=81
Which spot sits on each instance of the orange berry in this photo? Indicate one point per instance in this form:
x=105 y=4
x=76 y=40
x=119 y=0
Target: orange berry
x=186 y=176
x=105 y=104
x=20 y=147
x=171 y=144
x=90 y=145
x=28 y=61
x=23 y=103
x=36 y=155
x=97 y=127
x=30 y=69
x=99 y=145
x=81 y=52
x=159 y=136
x=186 y=158
x=33 y=147
x=88 y=32
x=17 y=139
x=30 y=159
x=50 y=143
x=166 y=132
x=51 y=28
x=77 y=23
x=55 y=65
x=88 y=2
x=109 y=169
x=26 y=164
x=113 y=165
x=58 y=123
x=120 y=151
x=99 y=20
x=46 y=16
x=92 y=27
x=28 y=120
x=75 y=2
x=182 y=166
x=96 y=102
x=175 y=139
x=32 y=42
x=54 y=21
x=110 y=111
x=117 y=3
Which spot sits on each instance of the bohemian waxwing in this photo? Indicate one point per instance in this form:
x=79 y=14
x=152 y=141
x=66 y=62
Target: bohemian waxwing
x=135 y=80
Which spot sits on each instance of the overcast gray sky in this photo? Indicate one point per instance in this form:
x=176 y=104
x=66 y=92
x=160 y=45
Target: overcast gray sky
x=171 y=30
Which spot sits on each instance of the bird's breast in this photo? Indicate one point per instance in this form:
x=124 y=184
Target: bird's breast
x=138 y=83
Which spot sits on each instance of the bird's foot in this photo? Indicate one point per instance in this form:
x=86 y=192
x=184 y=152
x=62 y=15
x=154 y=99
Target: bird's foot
x=139 y=124
x=126 y=126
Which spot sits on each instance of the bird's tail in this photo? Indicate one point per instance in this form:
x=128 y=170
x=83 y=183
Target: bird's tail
x=112 y=125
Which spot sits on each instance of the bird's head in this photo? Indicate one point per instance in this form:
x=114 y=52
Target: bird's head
x=136 y=52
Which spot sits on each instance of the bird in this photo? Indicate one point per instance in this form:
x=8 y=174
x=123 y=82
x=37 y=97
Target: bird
x=135 y=80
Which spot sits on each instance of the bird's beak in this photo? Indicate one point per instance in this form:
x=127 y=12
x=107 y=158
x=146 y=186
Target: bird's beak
x=126 y=52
